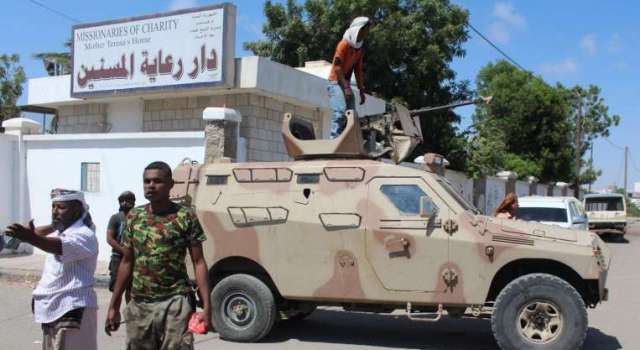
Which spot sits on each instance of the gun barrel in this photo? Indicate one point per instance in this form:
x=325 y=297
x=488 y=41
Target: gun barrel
x=451 y=105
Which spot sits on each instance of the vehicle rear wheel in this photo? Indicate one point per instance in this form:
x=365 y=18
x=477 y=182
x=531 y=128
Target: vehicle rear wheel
x=243 y=308
x=539 y=311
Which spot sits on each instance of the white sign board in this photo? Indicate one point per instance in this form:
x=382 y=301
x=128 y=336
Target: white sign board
x=188 y=48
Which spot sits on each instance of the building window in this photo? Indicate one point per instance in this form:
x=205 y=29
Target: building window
x=90 y=177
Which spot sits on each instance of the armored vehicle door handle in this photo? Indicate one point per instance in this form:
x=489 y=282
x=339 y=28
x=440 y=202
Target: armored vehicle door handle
x=397 y=245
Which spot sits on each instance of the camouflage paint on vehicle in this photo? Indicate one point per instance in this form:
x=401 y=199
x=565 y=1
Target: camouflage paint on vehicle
x=324 y=232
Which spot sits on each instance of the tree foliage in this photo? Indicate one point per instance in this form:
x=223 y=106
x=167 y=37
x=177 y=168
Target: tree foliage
x=537 y=123
x=56 y=63
x=408 y=52
x=589 y=109
x=533 y=119
x=11 y=78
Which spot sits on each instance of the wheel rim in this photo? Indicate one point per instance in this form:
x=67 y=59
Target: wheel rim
x=239 y=310
x=540 y=322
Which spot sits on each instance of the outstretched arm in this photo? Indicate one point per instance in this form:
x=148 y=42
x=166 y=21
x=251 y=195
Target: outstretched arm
x=30 y=235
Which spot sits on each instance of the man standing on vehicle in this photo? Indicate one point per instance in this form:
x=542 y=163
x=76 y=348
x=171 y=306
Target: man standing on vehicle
x=64 y=301
x=154 y=244
x=347 y=58
x=127 y=201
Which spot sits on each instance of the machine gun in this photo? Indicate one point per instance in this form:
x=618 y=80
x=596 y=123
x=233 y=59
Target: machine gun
x=397 y=133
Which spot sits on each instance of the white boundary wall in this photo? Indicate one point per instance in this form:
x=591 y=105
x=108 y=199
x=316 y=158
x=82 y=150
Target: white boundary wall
x=522 y=188
x=461 y=183
x=54 y=161
x=494 y=194
x=542 y=189
x=8 y=179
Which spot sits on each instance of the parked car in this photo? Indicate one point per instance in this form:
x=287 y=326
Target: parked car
x=565 y=212
x=607 y=212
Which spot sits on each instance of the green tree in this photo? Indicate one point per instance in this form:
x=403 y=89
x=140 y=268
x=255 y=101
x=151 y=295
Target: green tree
x=408 y=53
x=533 y=119
x=588 y=108
x=11 y=78
x=487 y=150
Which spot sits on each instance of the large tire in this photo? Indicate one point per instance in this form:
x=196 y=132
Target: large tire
x=539 y=311
x=243 y=308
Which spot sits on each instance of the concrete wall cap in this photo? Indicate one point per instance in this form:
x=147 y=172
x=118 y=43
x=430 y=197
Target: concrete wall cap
x=507 y=174
x=221 y=113
x=21 y=125
x=532 y=179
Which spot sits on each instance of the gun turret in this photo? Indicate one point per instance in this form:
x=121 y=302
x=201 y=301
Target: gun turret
x=397 y=133
x=391 y=135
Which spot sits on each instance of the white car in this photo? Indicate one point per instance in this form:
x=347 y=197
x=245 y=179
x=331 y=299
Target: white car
x=565 y=212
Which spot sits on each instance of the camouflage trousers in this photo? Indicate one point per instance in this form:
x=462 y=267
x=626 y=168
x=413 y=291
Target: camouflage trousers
x=159 y=325
x=66 y=334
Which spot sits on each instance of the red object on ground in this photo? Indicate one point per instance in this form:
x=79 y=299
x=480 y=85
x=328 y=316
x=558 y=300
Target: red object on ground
x=197 y=324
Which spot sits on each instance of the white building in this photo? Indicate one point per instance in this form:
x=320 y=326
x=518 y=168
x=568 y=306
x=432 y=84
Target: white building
x=103 y=142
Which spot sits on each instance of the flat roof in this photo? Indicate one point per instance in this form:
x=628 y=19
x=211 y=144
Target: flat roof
x=545 y=199
x=602 y=195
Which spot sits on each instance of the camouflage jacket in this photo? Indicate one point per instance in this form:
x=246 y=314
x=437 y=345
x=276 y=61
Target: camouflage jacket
x=159 y=245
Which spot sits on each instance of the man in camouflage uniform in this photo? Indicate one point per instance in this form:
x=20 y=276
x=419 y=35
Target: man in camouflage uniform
x=155 y=241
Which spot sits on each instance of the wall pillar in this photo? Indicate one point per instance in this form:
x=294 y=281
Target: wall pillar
x=20 y=127
x=533 y=185
x=222 y=133
x=479 y=190
x=550 y=187
x=510 y=180
x=564 y=187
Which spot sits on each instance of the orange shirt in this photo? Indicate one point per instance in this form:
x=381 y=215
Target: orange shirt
x=349 y=59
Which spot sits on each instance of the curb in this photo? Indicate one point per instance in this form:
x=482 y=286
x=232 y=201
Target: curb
x=33 y=276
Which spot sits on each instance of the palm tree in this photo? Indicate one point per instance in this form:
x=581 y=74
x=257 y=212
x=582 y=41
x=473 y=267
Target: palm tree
x=56 y=63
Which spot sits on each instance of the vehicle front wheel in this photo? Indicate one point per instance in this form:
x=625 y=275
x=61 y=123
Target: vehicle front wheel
x=243 y=308
x=539 y=311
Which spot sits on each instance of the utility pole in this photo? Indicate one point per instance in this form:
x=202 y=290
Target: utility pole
x=591 y=157
x=626 y=156
x=576 y=189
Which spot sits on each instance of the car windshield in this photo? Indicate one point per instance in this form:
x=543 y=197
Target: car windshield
x=604 y=204
x=542 y=214
x=458 y=198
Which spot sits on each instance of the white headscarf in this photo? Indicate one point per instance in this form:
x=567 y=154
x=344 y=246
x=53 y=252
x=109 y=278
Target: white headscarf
x=351 y=34
x=62 y=195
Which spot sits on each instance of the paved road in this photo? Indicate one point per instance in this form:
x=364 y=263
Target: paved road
x=613 y=325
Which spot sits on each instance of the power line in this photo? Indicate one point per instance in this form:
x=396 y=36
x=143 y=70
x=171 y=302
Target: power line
x=633 y=163
x=504 y=54
x=497 y=48
x=613 y=144
x=59 y=13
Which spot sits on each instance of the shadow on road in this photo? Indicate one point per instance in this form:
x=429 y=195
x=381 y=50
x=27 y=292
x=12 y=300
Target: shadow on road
x=614 y=238
x=393 y=331
x=596 y=340
x=396 y=331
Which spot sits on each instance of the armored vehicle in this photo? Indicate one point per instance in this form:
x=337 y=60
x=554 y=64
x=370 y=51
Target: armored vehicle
x=334 y=227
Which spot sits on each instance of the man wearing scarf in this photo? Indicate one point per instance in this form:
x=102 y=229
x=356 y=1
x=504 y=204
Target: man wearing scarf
x=64 y=301
x=347 y=58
